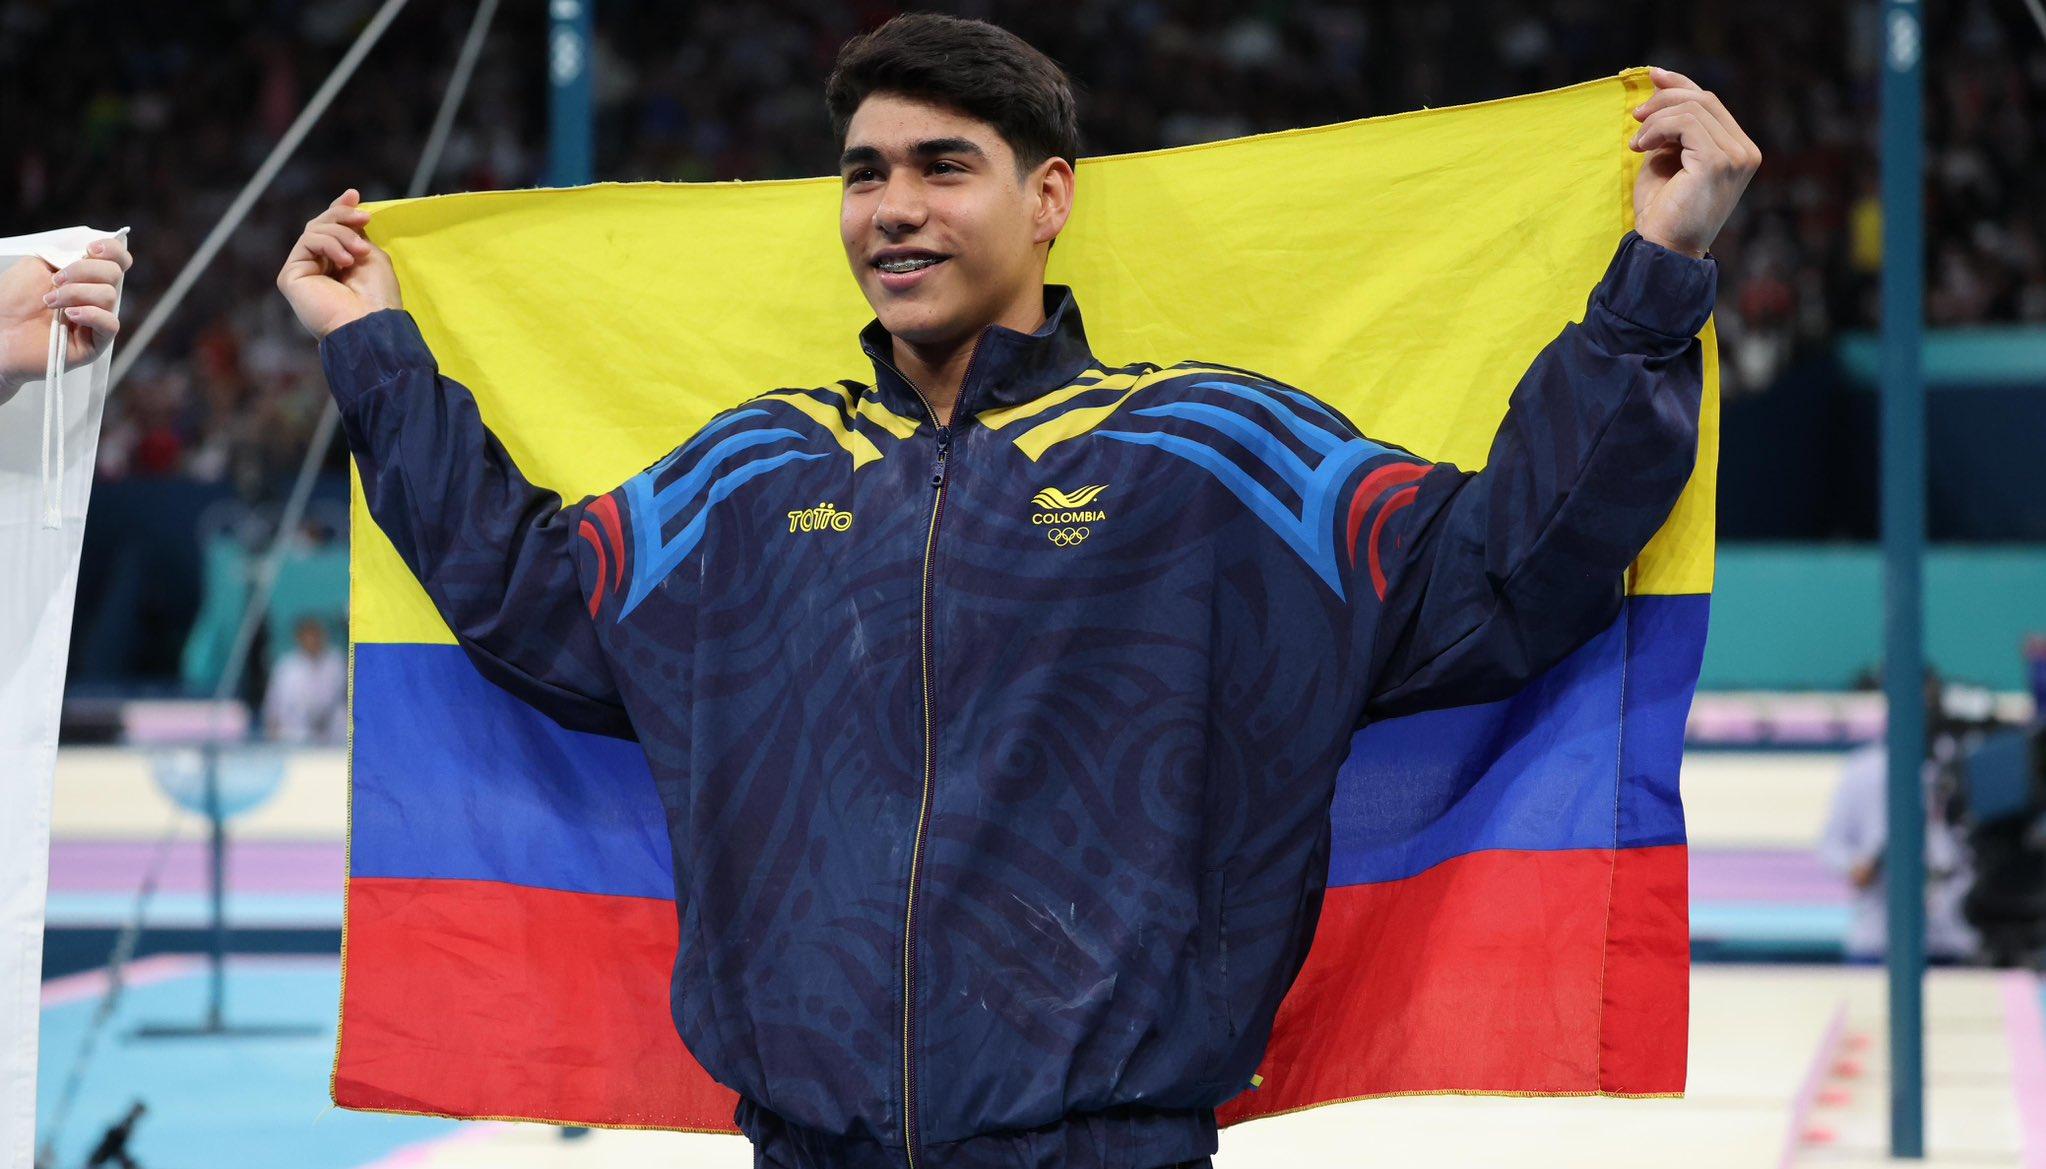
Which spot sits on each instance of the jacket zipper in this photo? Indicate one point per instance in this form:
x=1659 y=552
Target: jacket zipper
x=910 y=1140
x=923 y=814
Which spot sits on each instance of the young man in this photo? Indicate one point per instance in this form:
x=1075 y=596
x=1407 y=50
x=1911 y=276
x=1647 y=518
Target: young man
x=996 y=702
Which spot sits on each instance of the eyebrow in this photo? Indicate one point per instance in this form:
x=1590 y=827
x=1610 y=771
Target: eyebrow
x=928 y=148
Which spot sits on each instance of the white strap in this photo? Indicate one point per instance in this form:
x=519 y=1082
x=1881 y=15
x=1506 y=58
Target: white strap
x=53 y=424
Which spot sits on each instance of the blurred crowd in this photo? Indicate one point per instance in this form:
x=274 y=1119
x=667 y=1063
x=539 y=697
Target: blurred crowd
x=158 y=117
x=154 y=120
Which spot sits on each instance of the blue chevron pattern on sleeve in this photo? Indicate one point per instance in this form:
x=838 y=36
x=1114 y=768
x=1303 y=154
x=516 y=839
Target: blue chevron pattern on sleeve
x=1308 y=526
x=692 y=494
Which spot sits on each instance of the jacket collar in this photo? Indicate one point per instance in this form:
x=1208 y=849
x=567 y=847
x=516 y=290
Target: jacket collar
x=1007 y=368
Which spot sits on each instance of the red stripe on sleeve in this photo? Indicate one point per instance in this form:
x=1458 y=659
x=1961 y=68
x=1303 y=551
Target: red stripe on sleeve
x=605 y=508
x=1400 y=499
x=588 y=532
x=1375 y=485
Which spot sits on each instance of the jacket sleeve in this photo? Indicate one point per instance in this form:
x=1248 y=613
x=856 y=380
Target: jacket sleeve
x=1487 y=578
x=498 y=556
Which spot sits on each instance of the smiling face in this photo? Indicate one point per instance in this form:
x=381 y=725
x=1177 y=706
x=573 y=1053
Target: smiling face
x=923 y=182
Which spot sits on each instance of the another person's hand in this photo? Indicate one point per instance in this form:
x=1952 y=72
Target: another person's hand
x=1699 y=161
x=334 y=275
x=85 y=291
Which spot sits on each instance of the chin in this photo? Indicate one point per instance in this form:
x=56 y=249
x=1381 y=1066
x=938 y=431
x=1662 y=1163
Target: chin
x=922 y=323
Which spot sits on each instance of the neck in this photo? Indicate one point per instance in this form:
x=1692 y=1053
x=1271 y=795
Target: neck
x=939 y=369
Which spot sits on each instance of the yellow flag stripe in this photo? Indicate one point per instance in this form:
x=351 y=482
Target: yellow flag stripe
x=385 y=601
x=1405 y=269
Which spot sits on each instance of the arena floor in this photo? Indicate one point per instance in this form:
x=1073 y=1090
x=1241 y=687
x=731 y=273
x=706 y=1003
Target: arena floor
x=1787 y=1068
x=1787 y=1060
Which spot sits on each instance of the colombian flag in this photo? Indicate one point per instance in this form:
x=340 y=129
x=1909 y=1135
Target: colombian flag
x=1507 y=906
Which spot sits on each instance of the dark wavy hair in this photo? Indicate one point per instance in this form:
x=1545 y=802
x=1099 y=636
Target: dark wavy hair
x=970 y=66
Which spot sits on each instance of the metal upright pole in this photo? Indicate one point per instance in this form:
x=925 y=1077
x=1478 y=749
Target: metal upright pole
x=216 y=999
x=571 y=125
x=1903 y=513
x=570 y=112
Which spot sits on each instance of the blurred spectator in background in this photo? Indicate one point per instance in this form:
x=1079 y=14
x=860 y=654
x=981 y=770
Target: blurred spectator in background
x=308 y=694
x=1856 y=833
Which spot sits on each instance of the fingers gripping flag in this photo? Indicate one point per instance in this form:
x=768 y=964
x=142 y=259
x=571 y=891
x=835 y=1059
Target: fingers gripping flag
x=1514 y=922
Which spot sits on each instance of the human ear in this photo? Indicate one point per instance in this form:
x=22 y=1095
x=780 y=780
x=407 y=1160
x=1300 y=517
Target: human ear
x=1054 y=189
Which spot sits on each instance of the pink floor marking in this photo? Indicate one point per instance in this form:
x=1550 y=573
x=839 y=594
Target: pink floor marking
x=2025 y=1023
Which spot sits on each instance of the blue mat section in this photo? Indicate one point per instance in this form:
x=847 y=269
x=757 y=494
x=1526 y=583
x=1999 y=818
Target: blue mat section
x=1754 y=931
x=193 y=910
x=239 y=1102
x=1759 y=923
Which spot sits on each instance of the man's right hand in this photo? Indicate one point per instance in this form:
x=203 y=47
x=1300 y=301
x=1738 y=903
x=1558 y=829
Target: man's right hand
x=334 y=274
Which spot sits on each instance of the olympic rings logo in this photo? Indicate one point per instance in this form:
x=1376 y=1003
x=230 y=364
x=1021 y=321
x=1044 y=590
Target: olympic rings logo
x=1066 y=537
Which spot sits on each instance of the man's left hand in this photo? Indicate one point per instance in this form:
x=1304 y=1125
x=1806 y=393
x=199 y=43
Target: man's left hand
x=1699 y=161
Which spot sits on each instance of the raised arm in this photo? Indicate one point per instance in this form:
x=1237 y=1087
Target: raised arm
x=500 y=557
x=1489 y=577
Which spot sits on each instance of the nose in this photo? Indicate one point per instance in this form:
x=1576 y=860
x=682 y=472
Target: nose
x=902 y=207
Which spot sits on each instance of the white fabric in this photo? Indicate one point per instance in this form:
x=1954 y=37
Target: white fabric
x=38 y=581
x=1856 y=833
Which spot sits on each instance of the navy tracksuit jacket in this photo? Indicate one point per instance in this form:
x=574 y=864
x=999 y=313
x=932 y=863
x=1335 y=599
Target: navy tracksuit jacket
x=997 y=756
